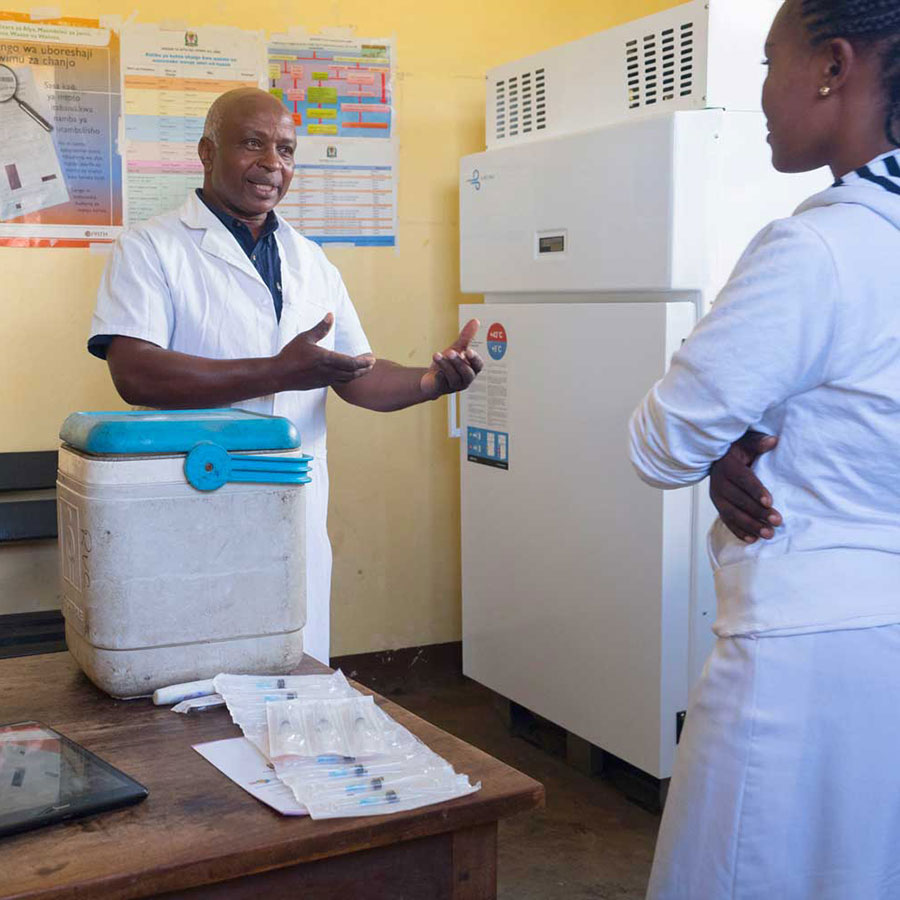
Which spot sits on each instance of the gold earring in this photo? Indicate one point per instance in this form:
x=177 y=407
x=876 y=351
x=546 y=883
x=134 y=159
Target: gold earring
x=825 y=91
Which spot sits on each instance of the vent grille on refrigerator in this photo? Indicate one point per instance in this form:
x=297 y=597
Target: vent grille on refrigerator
x=660 y=67
x=520 y=104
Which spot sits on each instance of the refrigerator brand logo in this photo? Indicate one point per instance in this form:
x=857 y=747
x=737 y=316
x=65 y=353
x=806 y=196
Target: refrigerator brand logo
x=497 y=342
x=477 y=179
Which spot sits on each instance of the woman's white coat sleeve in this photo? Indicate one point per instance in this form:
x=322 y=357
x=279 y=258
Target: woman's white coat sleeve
x=767 y=337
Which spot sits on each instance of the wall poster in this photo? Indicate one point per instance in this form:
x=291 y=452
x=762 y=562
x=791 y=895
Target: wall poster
x=171 y=78
x=340 y=93
x=60 y=172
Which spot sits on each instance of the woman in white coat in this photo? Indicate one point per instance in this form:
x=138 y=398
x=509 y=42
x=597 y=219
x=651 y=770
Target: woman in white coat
x=787 y=781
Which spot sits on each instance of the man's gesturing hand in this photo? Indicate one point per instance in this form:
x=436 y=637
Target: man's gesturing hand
x=744 y=504
x=303 y=365
x=454 y=369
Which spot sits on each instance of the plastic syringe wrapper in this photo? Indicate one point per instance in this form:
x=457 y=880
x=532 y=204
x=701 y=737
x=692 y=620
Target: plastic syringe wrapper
x=376 y=798
x=339 y=787
x=247 y=697
x=351 y=727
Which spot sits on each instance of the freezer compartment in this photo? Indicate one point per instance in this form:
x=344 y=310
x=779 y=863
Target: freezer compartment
x=658 y=205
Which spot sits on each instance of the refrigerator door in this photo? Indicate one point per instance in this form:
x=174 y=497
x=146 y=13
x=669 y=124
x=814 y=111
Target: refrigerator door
x=579 y=589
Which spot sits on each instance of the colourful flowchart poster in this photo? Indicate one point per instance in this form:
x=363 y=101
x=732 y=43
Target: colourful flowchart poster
x=171 y=78
x=340 y=93
x=60 y=102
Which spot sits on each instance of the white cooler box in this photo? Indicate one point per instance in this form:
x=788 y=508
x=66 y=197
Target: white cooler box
x=183 y=546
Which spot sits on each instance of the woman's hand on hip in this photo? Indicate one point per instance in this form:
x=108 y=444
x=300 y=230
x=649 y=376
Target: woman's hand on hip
x=743 y=502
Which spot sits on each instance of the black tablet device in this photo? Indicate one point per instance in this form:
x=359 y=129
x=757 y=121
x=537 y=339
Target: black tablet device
x=45 y=778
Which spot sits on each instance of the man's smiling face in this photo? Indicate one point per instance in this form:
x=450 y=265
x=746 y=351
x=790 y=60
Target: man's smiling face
x=250 y=165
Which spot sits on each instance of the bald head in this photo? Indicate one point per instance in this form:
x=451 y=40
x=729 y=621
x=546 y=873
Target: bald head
x=247 y=150
x=235 y=104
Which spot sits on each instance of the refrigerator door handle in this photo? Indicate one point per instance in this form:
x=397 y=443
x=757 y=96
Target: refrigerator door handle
x=453 y=429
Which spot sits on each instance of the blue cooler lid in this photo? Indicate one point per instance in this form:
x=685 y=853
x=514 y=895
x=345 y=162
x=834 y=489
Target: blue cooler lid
x=176 y=431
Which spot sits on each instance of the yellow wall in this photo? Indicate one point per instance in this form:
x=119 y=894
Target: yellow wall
x=395 y=510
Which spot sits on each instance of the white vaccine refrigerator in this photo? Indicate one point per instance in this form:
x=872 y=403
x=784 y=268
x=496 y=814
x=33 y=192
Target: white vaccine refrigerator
x=624 y=175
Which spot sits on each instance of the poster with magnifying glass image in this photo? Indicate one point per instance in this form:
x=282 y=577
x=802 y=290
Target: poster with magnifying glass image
x=60 y=101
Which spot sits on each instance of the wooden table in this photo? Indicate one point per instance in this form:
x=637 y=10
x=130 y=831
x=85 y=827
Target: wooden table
x=198 y=835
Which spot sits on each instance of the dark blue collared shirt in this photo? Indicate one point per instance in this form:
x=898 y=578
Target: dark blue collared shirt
x=263 y=252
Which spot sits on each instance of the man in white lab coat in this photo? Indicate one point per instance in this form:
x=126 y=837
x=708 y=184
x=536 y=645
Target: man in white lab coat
x=222 y=302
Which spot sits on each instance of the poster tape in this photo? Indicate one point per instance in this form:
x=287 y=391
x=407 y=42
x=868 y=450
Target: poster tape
x=120 y=136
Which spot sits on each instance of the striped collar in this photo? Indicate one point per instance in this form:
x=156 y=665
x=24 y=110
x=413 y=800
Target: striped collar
x=883 y=171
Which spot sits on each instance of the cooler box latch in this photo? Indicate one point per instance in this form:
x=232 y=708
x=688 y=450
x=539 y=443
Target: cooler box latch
x=208 y=466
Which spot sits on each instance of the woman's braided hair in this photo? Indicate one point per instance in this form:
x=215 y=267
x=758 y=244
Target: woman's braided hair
x=872 y=22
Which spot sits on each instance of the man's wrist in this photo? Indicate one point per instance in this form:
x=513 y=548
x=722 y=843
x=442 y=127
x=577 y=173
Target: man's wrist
x=428 y=394
x=272 y=375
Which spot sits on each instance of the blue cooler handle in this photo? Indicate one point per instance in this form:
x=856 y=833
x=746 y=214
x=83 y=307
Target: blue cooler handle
x=208 y=466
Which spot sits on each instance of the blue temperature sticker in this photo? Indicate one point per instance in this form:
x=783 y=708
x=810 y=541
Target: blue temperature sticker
x=488 y=448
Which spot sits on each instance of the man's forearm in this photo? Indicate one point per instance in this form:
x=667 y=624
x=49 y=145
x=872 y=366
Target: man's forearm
x=146 y=375
x=387 y=388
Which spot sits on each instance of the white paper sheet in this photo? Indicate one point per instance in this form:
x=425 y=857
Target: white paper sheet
x=247 y=767
x=32 y=176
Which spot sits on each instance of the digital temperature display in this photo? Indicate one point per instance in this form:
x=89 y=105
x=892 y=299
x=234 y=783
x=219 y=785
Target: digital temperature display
x=552 y=244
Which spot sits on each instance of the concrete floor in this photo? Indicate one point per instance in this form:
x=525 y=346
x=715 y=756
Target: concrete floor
x=589 y=843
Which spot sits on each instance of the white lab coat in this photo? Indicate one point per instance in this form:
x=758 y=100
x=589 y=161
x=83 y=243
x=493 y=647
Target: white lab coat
x=181 y=281
x=786 y=783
